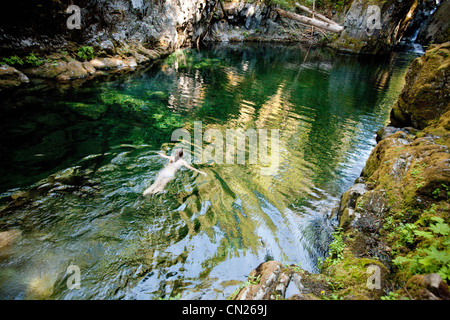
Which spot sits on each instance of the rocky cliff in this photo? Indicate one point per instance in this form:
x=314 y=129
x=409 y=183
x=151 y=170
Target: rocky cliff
x=105 y=25
x=111 y=35
x=36 y=40
x=378 y=27
x=436 y=28
x=374 y=27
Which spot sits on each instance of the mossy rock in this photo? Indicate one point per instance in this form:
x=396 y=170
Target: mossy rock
x=92 y=111
x=425 y=287
x=426 y=94
x=353 y=278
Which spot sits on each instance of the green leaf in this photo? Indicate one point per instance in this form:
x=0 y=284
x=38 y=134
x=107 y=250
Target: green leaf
x=400 y=260
x=440 y=228
x=444 y=272
x=437 y=219
x=425 y=234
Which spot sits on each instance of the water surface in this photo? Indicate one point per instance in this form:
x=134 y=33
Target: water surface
x=77 y=157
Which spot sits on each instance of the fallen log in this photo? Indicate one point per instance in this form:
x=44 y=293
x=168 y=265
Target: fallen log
x=332 y=27
x=315 y=14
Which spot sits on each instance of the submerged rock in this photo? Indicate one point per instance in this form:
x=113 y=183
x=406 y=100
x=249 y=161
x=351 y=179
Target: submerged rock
x=92 y=111
x=40 y=287
x=8 y=237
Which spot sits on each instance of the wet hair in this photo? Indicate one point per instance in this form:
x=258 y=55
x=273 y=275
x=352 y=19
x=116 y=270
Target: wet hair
x=179 y=154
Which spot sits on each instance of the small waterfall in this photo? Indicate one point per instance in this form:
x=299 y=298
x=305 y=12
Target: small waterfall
x=410 y=43
x=415 y=47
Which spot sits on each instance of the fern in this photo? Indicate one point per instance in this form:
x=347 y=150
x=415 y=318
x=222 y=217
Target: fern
x=13 y=60
x=33 y=60
x=86 y=53
x=435 y=258
x=441 y=228
x=424 y=234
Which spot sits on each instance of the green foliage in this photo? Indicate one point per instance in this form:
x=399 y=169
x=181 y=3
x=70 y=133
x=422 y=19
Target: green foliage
x=290 y=4
x=405 y=233
x=30 y=59
x=418 y=169
x=333 y=296
x=440 y=227
x=438 y=192
x=33 y=60
x=432 y=254
x=336 y=249
x=297 y=267
x=416 y=172
x=390 y=296
x=86 y=53
x=166 y=119
x=338 y=5
x=253 y=280
x=13 y=61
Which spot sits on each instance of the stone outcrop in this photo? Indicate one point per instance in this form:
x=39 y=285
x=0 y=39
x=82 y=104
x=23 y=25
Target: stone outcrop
x=436 y=29
x=123 y=34
x=374 y=27
x=6 y=239
x=273 y=281
x=266 y=279
x=246 y=21
x=425 y=97
x=108 y=26
x=426 y=287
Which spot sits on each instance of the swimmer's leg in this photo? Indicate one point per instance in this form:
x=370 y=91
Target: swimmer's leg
x=157 y=186
x=149 y=190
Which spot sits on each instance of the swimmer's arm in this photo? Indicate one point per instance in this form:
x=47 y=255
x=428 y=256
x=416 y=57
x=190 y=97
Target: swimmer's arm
x=164 y=156
x=193 y=169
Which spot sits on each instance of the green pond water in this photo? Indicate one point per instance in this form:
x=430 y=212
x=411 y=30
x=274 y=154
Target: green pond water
x=76 y=158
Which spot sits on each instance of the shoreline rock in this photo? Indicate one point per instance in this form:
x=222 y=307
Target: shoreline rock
x=11 y=78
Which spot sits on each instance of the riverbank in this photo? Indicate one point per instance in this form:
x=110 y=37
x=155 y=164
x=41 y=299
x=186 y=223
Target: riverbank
x=124 y=35
x=393 y=235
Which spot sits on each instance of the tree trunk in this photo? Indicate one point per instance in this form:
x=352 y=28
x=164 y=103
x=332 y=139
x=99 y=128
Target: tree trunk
x=315 y=14
x=312 y=22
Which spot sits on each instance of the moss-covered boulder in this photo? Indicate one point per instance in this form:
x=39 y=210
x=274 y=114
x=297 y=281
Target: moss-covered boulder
x=426 y=287
x=60 y=70
x=426 y=95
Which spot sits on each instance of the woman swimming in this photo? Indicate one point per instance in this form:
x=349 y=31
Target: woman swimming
x=168 y=173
